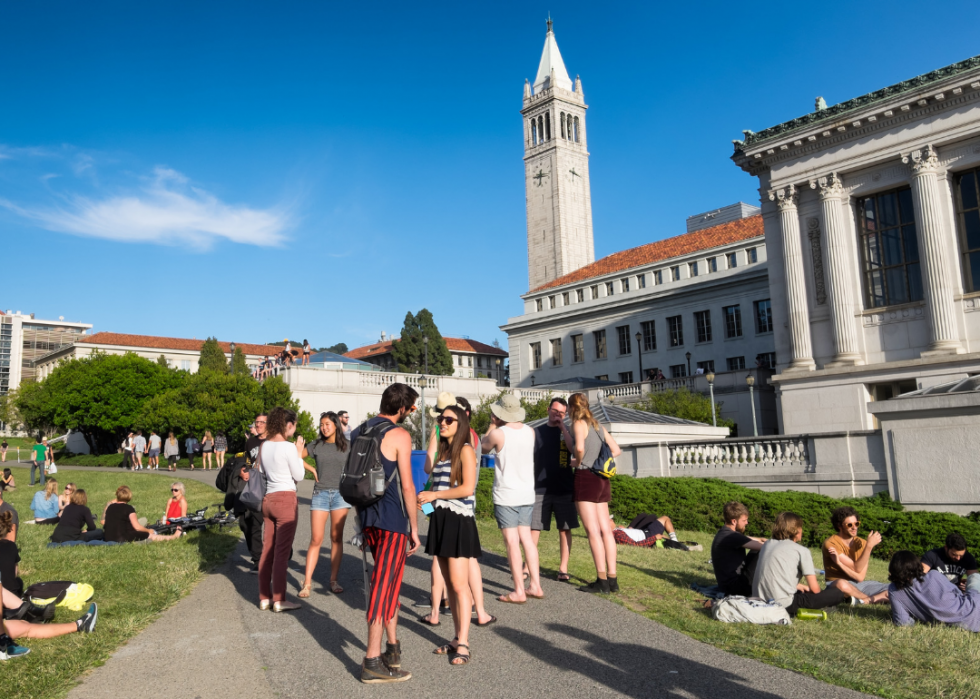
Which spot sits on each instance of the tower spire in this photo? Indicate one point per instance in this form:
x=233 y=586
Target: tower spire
x=551 y=62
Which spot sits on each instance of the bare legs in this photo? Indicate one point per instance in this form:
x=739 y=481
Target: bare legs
x=457 y=572
x=564 y=547
x=23 y=629
x=476 y=591
x=598 y=527
x=206 y=458
x=318 y=522
x=438 y=591
x=515 y=538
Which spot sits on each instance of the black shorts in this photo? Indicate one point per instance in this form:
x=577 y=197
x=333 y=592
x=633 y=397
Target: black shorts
x=561 y=506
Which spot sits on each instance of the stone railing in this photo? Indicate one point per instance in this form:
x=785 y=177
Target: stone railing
x=790 y=453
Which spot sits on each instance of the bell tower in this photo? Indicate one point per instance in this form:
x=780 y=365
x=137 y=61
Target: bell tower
x=556 y=171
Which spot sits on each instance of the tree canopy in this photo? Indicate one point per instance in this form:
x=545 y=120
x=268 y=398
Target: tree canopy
x=682 y=403
x=238 y=365
x=409 y=351
x=212 y=357
x=339 y=348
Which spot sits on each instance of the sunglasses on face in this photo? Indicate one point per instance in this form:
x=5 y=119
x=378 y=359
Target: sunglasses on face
x=853 y=524
x=174 y=490
x=445 y=420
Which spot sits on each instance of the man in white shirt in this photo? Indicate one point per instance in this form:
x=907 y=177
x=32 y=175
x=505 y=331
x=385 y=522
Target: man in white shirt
x=139 y=448
x=513 y=492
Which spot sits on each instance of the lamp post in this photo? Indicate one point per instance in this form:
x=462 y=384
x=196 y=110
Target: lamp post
x=711 y=389
x=423 y=382
x=750 y=380
x=425 y=341
x=688 y=355
x=639 y=356
x=499 y=382
x=532 y=379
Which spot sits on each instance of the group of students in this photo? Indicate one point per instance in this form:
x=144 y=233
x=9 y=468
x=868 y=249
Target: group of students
x=271 y=364
x=942 y=586
x=135 y=446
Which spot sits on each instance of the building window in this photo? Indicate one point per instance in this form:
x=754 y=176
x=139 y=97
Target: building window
x=702 y=321
x=658 y=277
x=678 y=371
x=707 y=367
x=641 y=281
x=595 y=291
x=692 y=269
x=602 y=377
x=185 y=364
x=580 y=295
x=479 y=362
x=626 y=377
x=578 y=349
x=732 y=260
x=556 y=352
x=675 y=273
x=551 y=302
x=565 y=298
x=733 y=321
x=469 y=362
x=675 y=328
x=889 y=249
x=539 y=304
x=968 y=213
x=751 y=255
x=763 y=316
x=735 y=363
x=535 y=355
x=600 y=343
x=626 y=284
x=609 y=289
x=623 y=332
x=649 y=335
x=712 y=264
x=766 y=360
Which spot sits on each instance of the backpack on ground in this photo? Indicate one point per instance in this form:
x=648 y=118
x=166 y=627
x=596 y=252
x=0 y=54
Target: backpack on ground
x=605 y=465
x=363 y=465
x=735 y=608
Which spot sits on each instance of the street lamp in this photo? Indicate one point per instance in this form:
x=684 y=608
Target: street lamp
x=499 y=382
x=423 y=382
x=711 y=389
x=425 y=341
x=688 y=355
x=532 y=379
x=750 y=380
x=639 y=355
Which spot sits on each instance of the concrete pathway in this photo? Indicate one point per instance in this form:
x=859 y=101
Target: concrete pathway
x=216 y=642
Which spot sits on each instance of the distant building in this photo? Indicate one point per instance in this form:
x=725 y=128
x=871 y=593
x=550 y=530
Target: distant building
x=471 y=359
x=180 y=353
x=24 y=338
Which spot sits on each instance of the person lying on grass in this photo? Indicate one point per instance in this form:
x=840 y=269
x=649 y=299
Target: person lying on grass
x=846 y=556
x=122 y=525
x=930 y=597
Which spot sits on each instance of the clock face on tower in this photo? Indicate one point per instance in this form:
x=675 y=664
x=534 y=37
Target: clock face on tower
x=540 y=176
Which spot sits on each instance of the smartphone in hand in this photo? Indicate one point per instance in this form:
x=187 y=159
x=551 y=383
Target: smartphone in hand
x=427 y=508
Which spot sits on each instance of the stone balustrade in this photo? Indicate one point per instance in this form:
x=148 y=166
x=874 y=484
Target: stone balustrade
x=790 y=453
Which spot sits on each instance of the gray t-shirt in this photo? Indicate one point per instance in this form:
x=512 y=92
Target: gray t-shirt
x=139 y=444
x=593 y=443
x=154 y=441
x=330 y=462
x=780 y=567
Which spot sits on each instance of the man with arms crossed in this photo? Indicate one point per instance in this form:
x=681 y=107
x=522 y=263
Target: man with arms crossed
x=554 y=483
x=846 y=556
x=734 y=566
x=390 y=528
x=953 y=561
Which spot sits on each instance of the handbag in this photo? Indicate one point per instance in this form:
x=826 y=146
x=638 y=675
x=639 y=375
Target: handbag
x=605 y=464
x=253 y=494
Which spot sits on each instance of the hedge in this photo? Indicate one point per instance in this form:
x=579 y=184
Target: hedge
x=696 y=504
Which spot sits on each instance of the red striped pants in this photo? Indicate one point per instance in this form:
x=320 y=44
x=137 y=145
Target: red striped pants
x=389 y=550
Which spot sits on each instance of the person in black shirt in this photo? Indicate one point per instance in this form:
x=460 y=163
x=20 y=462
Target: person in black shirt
x=734 y=565
x=249 y=522
x=7 y=507
x=554 y=483
x=122 y=525
x=75 y=516
x=9 y=558
x=953 y=561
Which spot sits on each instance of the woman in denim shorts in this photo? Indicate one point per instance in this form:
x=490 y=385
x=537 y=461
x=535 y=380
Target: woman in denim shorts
x=330 y=453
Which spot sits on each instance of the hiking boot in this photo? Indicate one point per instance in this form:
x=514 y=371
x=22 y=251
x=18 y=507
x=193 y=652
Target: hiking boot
x=613 y=584
x=9 y=649
x=87 y=622
x=392 y=656
x=374 y=671
x=600 y=585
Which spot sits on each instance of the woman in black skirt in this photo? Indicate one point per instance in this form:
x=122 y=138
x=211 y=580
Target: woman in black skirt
x=453 y=538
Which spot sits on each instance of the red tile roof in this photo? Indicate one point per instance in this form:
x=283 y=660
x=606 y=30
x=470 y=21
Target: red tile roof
x=455 y=344
x=705 y=239
x=170 y=343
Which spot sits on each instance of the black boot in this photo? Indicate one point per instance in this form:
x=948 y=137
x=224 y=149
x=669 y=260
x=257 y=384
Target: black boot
x=392 y=656
x=600 y=585
x=613 y=585
x=374 y=671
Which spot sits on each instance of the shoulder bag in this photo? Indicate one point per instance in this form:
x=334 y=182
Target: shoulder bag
x=253 y=494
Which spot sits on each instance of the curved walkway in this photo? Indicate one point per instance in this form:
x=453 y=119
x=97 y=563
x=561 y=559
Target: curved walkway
x=216 y=642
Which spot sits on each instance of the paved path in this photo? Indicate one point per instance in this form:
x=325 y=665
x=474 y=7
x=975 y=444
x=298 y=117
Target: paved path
x=216 y=642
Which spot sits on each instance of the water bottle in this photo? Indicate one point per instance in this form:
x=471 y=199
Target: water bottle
x=377 y=481
x=811 y=614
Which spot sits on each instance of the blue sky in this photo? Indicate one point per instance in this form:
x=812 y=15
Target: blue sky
x=262 y=170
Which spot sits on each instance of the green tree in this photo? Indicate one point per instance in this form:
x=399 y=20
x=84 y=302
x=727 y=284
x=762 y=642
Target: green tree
x=480 y=416
x=339 y=348
x=681 y=403
x=238 y=365
x=276 y=394
x=212 y=357
x=162 y=361
x=409 y=351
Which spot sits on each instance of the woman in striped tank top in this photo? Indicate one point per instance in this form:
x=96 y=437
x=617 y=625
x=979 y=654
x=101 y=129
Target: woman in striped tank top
x=453 y=538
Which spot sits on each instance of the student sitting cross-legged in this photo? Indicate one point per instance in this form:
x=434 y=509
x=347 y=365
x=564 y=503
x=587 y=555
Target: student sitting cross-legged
x=846 y=556
x=733 y=563
x=782 y=562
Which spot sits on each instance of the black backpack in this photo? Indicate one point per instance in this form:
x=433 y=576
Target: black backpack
x=363 y=457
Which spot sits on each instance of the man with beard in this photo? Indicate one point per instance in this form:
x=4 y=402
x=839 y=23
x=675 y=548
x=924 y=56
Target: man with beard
x=734 y=565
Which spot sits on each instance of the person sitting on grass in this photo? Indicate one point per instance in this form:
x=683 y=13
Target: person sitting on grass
x=7 y=507
x=734 y=566
x=177 y=505
x=7 y=481
x=45 y=504
x=955 y=562
x=75 y=516
x=846 y=557
x=8 y=649
x=122 y=525
x=65 y=498
x=782 y=562
x=9 y=559
x=930 y=597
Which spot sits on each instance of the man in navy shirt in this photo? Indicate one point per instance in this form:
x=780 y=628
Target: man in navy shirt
x=953 y=560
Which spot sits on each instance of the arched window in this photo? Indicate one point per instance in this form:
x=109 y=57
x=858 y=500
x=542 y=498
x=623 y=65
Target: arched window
x=534 y=132
x=547 y=126
x=576 y=129
x=563 y=126
x=540 y=129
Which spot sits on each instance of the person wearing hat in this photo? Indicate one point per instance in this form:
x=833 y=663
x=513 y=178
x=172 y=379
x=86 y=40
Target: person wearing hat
x=513 y=492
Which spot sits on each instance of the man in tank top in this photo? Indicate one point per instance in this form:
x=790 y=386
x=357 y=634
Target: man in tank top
x=513 y=492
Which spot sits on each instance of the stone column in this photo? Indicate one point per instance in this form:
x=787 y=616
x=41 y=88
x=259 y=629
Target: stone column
x=796 y=303
x=842 y=309
x=937 y=284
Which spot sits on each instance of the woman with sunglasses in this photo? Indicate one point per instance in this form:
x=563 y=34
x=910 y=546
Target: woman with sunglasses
x=177 y=506
x=65 y=498
x=330 y=453
x=453 y=537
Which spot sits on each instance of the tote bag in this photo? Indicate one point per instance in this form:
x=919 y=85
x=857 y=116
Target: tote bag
x=254 y=492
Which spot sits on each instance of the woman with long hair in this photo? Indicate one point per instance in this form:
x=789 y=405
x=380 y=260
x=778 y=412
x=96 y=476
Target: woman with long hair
x=453 y=537
x=283 y=467
x=207 y=447
x=171 y=450
x=7 y=481
x=74 y=518
x=593 y=492
x=930 y=597
x=330 y=453
x=46 y=504
x=220 y=448
x=65 y=498
x=177 y=505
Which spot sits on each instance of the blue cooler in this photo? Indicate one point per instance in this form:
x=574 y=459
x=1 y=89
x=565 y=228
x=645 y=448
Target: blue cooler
x=418 y=470
x=488 y=461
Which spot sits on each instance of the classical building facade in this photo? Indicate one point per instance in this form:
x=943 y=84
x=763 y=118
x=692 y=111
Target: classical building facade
x=871 y=210
x=471 y=359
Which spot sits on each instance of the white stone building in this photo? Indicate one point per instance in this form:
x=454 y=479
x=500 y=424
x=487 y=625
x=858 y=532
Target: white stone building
x=23 y=338
x=872 y=226
x=471 y=359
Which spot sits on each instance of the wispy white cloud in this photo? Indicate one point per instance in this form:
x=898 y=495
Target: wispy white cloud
x=167 y=209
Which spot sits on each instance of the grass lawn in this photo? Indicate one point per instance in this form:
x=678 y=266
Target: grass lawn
x=113 y=460
x=133 y=582
x=856 y=648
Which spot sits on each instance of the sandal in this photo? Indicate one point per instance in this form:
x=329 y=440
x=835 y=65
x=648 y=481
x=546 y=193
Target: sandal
x=453 y=657
x=563 y=577
x=305 y=591
x=335 y=587
x=492 y=620
x=446 y=649
x=427 y=620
